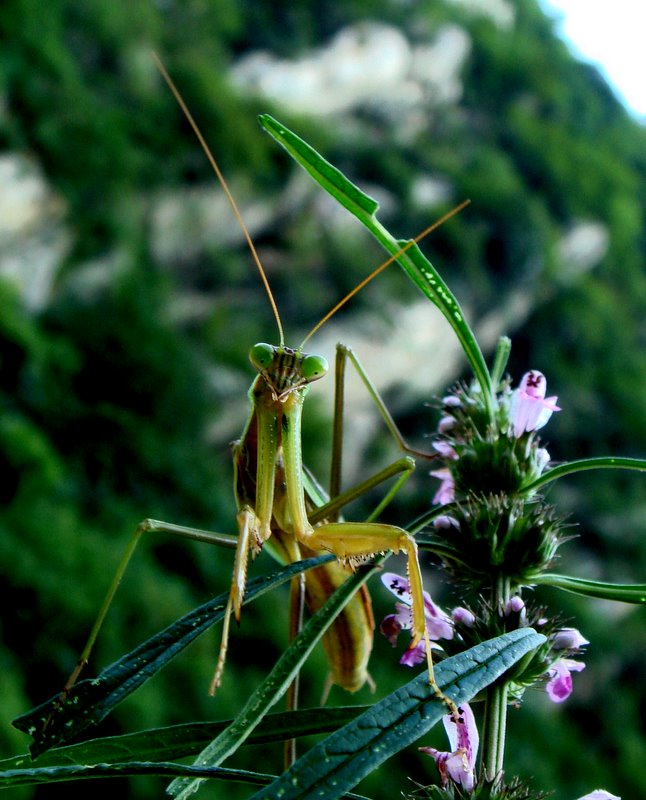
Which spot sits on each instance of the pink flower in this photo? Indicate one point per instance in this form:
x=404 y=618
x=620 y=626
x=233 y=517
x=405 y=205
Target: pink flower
x=459 y=764
x=438 y=624
x=559 y=687
x=599 y=794
x=446 y=493
x=530 y=409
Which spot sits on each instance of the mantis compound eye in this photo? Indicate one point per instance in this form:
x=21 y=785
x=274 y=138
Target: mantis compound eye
x=261 y=355
x=314 y=367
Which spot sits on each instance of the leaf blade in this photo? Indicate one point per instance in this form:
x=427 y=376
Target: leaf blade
x=418 y=268
x=583 y=465
x=88 y=702
x=276 y=683
x=178 y=741
x=71 y=772
x=329 y=768
x=621 y=592
x=325 y=174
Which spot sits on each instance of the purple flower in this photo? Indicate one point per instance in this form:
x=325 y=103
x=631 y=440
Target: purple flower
x=445 y=521
x=514 y=605
x=462 y=616
x=568 y=639
x=438 y=624
x=559 y=686
x=446 y=423
x=459 y=764
x=446 y=492
x=445 y=450
x=541 y=459
x=530 y=409
x=599 y=794
x=451 y=401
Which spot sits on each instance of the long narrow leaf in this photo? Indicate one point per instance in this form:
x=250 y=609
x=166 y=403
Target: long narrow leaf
x=88 y=702
x=623 y=592
x=418 y=268
x=70 y=772
x=339 y=762
x=275 y=684
x=358 y=203
x=178 y=741
x=584 y=464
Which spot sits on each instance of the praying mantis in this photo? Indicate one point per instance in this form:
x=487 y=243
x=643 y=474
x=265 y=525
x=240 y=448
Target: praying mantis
x=281 y=506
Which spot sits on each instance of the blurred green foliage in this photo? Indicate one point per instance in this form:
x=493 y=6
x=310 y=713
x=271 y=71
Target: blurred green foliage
x=120 y=394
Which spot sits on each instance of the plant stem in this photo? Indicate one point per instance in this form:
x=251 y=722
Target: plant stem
x=495 y=727
x=495 y=715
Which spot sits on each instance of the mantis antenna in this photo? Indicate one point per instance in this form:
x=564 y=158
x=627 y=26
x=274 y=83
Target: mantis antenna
x=223 y=183
x=381 y=268
x=247 y=235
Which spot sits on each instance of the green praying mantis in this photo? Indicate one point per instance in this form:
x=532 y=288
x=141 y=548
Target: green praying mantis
x=281 y=506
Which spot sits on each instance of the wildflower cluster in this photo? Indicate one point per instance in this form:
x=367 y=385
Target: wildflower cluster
x=495 y=535
x=490 y=528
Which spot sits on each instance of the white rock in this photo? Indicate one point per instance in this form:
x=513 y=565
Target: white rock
x=33 y=239
x=581 y=249
x=368 y=63
x=438 y=65
x=187 y=221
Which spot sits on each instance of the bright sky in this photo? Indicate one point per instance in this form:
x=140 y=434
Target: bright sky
x=610 y=34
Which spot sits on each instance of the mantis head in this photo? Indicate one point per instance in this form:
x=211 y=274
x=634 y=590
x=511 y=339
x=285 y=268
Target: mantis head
x=286 y=369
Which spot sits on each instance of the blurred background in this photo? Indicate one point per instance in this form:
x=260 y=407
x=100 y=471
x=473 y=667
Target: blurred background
x=129 y=303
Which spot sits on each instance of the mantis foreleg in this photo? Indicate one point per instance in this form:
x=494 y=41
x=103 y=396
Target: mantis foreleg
x=352 y=541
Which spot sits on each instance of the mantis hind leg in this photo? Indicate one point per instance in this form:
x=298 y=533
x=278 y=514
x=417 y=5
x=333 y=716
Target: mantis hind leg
x=296 y=613
x=147 y=526
x=343 y=355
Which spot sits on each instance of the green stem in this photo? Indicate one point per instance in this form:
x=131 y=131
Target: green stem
x=495 y=716
x=494 y=733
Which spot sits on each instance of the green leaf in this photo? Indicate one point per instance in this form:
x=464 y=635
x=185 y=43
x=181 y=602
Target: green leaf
x=329 y=177
x=48 y=775
x=624 y=592
x=418 y=268
x=133 y=754
x=428 y=280
x=88 y=702
x=583 y=464
x=71 y=772
x=178 y=741
x=339 y=762
x=275 y=684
